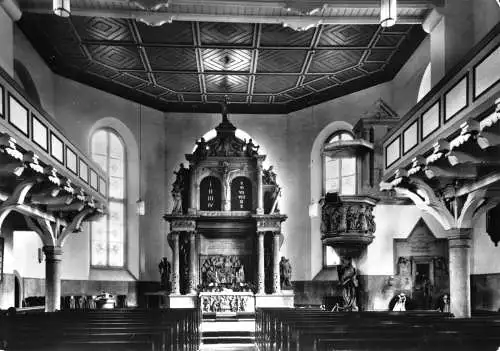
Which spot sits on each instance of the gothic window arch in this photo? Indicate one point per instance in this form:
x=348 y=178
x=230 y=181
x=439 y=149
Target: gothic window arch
x=109 y=233
x=339 y=168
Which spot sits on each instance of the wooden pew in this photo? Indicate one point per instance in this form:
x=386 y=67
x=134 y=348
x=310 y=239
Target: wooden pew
x=298 y=329
x=105 y=330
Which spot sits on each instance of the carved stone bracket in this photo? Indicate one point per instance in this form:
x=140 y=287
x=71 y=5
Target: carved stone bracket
x=269 y=223
x=348 y=224
x=187 y=224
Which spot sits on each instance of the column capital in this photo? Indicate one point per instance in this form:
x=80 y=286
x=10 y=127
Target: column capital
x=459 y=237
x=53 y=252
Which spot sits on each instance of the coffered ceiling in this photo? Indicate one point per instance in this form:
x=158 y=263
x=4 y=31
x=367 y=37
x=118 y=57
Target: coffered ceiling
x=192 y=65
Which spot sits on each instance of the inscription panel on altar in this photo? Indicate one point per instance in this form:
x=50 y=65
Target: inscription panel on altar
x=226 y=246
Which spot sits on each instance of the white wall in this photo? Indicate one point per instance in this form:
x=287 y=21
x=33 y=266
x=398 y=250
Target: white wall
x=7 y=43
x=392 y=222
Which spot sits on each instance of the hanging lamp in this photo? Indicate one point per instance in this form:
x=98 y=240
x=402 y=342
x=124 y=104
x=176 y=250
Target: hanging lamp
x=141 y=205
x=388 y=13
x=61 y=8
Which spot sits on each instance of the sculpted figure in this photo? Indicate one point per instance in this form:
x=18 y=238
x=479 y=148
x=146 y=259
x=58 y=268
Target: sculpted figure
x=362 y=220
x=370 y=219
x=342 y=226
x=165 y=270
x=177 y=199
x=269 y=177
x=285 y=274
x=201 y=151
x=252 y=148
x=349 y=283
x=179 y=189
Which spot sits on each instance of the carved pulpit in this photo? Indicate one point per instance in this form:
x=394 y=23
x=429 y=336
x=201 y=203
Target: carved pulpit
x=230 y=220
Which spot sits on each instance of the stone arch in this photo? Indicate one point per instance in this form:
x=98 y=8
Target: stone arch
x=23 y=77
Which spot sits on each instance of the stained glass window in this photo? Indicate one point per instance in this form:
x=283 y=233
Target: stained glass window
x=340 y=171
x=108 y=234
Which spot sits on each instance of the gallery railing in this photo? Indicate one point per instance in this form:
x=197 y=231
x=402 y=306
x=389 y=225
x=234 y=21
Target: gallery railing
x=468 y=91
x=35 y=130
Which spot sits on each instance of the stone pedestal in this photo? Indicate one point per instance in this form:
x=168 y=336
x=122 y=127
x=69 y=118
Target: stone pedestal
x=53 y=257
x=181 y=301
x=284 y=299
x=459 y=241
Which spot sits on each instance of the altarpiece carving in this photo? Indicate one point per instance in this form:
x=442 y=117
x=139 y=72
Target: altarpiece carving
x=224 y=220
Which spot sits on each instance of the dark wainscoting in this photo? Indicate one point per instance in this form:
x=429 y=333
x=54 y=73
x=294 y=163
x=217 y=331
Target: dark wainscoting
x=133 y=289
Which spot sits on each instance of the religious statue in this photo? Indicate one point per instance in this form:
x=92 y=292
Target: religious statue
x=182 y=176
x=400 y=304
x=349 y=284
x=179 y=189
x=240 y=275
x=444 y=303
x=269 y=177
x=285 y=274
x=201 y=150
x=276 y=196
x=252 y=148
x=164 y=268
x=177 y=199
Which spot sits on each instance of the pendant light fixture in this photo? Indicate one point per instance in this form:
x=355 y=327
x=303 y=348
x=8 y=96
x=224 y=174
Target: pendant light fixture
x=388 y=13
x=61 y=8
x=141 y=205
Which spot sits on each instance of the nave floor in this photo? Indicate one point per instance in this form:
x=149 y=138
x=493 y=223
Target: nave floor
x=229 y=347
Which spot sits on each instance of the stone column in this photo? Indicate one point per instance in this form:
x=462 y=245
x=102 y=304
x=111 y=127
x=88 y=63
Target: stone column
x=175 y=262
x=459 y=241
x=260 y=189
x=53 y=257
x=192 y=262
x=261 y=275
x=276 y=263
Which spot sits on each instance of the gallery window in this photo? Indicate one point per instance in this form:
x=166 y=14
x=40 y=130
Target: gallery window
x=339 y=168
x=108 y=234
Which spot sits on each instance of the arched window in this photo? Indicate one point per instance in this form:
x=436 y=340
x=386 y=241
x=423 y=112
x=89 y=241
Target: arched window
x=108 y=234
x=339 y=174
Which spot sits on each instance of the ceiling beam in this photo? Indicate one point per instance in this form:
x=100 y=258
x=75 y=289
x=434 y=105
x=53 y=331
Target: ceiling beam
x=158 y=18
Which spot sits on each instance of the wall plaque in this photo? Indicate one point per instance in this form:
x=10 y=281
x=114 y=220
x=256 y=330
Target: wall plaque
x=210 y=194
x=241 y=194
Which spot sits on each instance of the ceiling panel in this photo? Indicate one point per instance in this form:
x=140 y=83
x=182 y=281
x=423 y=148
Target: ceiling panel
x=170 y=33
x=226 y=59
x=98 y=28
x=190 y=66
x=172 y=58
x=281 y=61
x=329 y=61
x=277 y=35
x=223 y=33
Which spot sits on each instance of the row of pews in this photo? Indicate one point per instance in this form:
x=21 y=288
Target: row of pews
x=307 y=330
x=102 y=330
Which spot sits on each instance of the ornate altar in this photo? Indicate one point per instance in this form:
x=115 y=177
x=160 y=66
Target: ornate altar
x=225 y=228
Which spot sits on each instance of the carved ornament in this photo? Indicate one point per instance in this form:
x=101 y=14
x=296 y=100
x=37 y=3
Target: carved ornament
x=183 y=225
x=226 y=303
x=348 y=223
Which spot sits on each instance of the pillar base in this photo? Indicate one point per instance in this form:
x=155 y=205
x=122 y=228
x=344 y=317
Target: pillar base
x=284 y=299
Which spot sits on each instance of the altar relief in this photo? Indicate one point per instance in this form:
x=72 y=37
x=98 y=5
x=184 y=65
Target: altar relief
x=224 y=204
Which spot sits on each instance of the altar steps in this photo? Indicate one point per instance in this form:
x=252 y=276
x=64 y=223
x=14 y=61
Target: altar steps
x=228 y=331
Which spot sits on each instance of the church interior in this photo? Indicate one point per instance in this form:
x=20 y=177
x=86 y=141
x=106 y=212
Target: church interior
x=249 y=175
